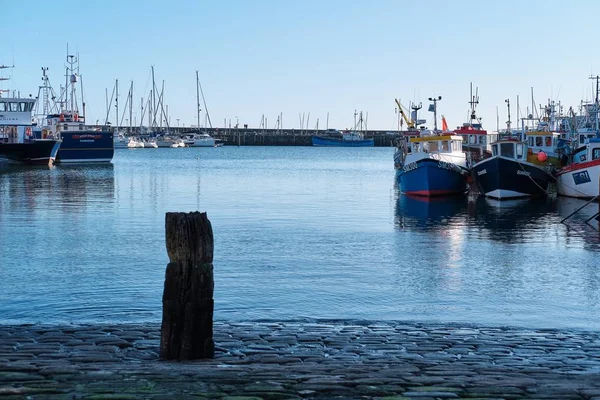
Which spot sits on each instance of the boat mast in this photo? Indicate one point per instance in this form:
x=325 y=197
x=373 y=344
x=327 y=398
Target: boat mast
x=507 y=101
x=131 y=108
x=435 y=100
x=198 y=100
x=117 y=103
x=153 y=99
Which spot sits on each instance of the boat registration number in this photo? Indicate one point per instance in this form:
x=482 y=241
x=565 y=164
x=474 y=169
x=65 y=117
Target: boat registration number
x=581 y=177
x=410 y=166
x=445 y=165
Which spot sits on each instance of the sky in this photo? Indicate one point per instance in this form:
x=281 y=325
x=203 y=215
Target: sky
x=272 y=57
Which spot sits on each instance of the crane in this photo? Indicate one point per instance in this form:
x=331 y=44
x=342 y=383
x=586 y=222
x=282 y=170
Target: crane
x=409 y=123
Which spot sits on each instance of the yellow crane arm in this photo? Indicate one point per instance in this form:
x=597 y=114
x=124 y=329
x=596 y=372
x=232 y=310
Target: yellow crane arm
x=409 y=123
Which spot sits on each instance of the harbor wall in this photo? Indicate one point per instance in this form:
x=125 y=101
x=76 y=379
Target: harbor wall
x=272 y=137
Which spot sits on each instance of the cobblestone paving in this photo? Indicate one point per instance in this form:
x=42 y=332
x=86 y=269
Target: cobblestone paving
x=292 y=360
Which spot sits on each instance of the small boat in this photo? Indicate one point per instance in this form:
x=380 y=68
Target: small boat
x=354 y=138
x=581 y=178
x=200 y=140
x=508 y=175
x=431 y=165
x=149 y=144
x=134 y=143
x=120 y=141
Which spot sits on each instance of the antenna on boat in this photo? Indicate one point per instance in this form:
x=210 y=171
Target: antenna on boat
x=507 y=101
x=474 y=102
x=433 y=107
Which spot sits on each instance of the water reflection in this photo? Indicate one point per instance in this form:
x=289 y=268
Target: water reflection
x=429 y=213
x=513 y=221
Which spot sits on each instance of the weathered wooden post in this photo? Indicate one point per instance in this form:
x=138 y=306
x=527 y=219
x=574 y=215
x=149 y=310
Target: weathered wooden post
x=187 y=323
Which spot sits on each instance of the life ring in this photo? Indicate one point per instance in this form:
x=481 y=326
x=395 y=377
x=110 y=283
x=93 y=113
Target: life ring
x=28 y=131
x=75 y=117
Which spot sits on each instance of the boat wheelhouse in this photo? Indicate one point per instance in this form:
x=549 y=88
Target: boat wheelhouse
x=542 y=147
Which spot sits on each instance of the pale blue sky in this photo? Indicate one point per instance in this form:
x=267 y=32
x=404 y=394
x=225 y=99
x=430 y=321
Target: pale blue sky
x=266 y=57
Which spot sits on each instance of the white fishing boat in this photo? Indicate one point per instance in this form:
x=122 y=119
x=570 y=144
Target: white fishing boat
x=149 y=144
x=134 y=143
x=581 y=178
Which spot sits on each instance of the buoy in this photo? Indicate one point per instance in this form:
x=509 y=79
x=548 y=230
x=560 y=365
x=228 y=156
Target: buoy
x=541 y=156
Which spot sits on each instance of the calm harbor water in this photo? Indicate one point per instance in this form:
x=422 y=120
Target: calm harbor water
x=300 y=232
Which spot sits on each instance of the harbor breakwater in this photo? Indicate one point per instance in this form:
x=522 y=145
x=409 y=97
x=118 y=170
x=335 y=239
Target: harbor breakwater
x=267 y=137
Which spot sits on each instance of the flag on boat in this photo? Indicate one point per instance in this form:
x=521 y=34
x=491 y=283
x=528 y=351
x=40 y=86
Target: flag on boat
x=431 y=108
x=444 y=124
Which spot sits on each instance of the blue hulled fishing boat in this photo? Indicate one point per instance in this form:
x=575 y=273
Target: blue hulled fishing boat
x=354 y=138
x=79 y=143
x=432 y=164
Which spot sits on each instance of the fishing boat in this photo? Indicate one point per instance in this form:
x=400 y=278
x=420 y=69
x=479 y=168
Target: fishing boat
x=581 y=178
x=353 y=138
x=17 y=141
x=507 y=174
x=79 y=144
x=475 y=138
x=432 y=164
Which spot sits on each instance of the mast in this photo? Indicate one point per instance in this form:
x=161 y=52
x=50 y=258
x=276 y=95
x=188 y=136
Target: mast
x=117 y=103
x=153 y=99
x=198 y=100
x=507 y=101
x=131 y=108
x=435 y=100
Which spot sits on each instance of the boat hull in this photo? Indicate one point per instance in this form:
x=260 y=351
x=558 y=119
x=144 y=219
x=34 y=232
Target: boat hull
x=504 y=178
x=38 y=152
x=335 y=142
x=86 y=147
x=581 y=180
x=429 y=177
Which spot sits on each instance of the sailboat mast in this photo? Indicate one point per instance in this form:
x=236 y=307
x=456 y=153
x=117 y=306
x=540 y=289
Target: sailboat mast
x=198 y=99
x=131 y=108
x=117 y=102
x=153 y=99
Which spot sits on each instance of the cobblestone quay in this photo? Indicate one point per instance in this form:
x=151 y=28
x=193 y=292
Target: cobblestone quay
x=303 y=359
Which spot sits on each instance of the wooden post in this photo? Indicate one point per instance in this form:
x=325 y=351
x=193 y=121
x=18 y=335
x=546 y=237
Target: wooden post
x=187 y=323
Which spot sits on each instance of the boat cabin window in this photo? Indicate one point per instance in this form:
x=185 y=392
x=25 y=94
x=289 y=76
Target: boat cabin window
x=507 y=150
x=65 y=127
x=531 y=141
x=2 y=107
x=456 y=145
x=445 y=146
x=538 y=141
x=519 y=150
x=548 y=140
x=416 y=147
x=482 y=140
x=495 y=150
x=472 y=139
x=80 y=127
x=432 y=146
x=596 y=153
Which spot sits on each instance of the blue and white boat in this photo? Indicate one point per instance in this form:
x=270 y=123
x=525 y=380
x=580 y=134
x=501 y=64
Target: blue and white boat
x=431 y=165
x=354 y=138
x=348 y=139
